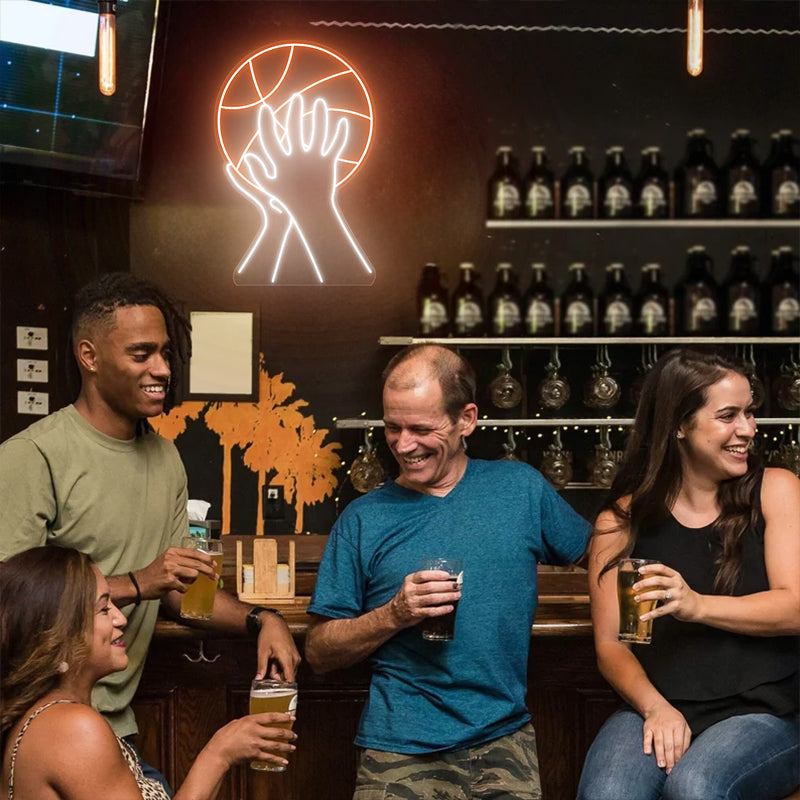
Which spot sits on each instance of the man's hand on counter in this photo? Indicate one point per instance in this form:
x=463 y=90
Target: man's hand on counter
x=277 y=654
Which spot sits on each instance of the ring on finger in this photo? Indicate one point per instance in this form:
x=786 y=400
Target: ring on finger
x=667 y=596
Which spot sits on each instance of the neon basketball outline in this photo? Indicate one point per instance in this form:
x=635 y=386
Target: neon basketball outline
x=294 y=158
x=263 y=96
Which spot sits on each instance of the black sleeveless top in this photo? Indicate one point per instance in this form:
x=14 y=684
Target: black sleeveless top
x=707 y=673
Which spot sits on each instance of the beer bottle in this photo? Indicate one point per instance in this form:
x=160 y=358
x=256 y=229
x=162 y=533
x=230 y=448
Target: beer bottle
x=651 y=188
x=742 y=177
x=781 y=178
x=505 y=304
x=539 y=304
x=539 y=187
x=741 y=295
x=615 y=307
x=577 y=187
x=432 y=303
x=782 y=294
x=467 y=307
x=697 y=296
x=697 y=179
x=577 y=304
x=652 y=303
x=505 y=187
x=615 y=188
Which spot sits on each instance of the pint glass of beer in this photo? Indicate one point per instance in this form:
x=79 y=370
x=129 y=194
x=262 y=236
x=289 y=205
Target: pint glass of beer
x=272 y=695
x=442 y=629
x=198 y=600
x=631 y=628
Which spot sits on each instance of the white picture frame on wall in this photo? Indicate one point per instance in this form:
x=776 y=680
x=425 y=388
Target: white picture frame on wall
x=223 y=365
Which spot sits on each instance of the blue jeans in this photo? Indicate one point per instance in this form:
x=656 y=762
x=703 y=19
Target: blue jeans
x=147 y=770
x=741 y=758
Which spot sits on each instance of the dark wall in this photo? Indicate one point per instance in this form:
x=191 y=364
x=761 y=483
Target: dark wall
x=444 y=98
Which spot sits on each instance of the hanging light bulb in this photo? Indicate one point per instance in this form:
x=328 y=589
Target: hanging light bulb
x=694 y=38
x=107 y=48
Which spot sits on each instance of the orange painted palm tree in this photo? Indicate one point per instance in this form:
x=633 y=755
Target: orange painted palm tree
x=233 y=423
x=172 y=425
x=274 y=431
x=310 y=468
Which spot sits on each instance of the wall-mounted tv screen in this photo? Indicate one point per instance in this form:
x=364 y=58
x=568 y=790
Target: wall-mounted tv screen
x=55 y=125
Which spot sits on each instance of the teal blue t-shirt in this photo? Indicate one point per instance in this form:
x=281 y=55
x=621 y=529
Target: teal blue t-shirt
x=501 y=520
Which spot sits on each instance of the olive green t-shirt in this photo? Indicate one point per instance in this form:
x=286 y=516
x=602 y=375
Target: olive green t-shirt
x=123 y=503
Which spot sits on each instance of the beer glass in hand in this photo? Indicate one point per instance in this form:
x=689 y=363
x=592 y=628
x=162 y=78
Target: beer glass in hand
x=631 y=628
x=441 y=629
x=273 y=695
x=198 y=600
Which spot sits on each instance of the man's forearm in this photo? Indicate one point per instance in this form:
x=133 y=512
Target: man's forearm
x=339 y=643
x=229 y=613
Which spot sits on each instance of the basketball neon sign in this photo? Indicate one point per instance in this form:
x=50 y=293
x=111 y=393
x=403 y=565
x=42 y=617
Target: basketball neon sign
x=294 y=123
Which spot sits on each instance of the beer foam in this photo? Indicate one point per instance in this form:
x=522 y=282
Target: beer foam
x=261 y=693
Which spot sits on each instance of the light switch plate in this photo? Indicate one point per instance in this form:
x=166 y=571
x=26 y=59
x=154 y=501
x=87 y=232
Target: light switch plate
x=31 y=338
x=37 y=403
x=31 y=370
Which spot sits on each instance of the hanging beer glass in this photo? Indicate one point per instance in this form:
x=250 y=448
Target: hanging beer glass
x=505 y=391
x=556 y=463
x=366 y=471
x=553 y=390
x=756 y=384
x=649 y=358
x=601 y=391
x=510 y=448
x=603 y=467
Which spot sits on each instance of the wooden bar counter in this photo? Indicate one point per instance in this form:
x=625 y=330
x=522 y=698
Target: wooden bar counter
x=194 y=682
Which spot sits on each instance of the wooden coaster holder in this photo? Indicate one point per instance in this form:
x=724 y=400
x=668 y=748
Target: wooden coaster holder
x=265 y=562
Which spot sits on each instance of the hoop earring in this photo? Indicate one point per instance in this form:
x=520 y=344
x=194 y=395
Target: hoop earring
x=464 y=443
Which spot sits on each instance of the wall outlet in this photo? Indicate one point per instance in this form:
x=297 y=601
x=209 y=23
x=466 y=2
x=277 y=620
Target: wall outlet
x=273 y=502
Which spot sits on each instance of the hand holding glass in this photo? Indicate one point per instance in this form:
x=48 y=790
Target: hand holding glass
x=273 y=695
x=198 y=600
x=631 y=628
x=442 y=629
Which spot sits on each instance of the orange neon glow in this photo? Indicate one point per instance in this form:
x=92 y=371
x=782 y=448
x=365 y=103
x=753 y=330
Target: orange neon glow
x=273 y=76
x=694 y=38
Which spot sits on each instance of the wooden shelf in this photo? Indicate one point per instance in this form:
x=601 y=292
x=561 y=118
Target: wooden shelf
x=531 y=341
x=543 y=422
x=644 y=224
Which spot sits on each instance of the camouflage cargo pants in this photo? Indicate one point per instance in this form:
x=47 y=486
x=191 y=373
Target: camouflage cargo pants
x=504 y=769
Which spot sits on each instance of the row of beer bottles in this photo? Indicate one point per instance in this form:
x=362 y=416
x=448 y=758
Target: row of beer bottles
x=741 y=188
x=741 y=305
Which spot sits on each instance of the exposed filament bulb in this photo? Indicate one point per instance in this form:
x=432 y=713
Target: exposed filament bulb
x=694 y=38
x=107 y=48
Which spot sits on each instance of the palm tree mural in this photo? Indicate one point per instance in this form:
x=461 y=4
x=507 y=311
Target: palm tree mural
x=233 y=423
x=274 y=432
x=311 y=468
x=279 y=444
x=172 y=425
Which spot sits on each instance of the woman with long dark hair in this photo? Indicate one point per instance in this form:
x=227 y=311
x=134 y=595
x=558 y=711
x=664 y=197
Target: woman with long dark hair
x=59 y=634
x=711 y=707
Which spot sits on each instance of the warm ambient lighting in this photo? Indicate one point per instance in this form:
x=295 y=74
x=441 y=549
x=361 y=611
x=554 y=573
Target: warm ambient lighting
x=694 y=38
x=107 y=48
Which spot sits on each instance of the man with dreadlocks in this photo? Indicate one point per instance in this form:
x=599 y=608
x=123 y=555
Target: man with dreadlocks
x=94 y=476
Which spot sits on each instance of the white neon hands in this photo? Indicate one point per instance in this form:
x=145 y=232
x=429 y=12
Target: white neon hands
x=290 y=176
